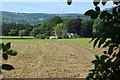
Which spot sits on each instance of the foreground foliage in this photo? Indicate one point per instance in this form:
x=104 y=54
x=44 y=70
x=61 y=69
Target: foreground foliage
x=5 y=52
x=106 y=66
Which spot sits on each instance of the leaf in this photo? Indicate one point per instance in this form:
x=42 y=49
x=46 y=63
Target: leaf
x=105 y=52
x=89 y=12
x=104 y=2
x=7 y=67
x=0 y=46
x=119 y=10
x=5 y=56
x=116 y=2
x=11 y=52
x=94 y=61
x=7 y=47
x=115 y=13
x=101 y=42
x=110 y=50
x=96 y=2
x=97 y=8
x=103 y=14
x=95 y=42
x=102 y=58
x=109 y=16
x=97 y=57
x=92 y=39
x=106 y=44
x=93 y=14
x=69 y=2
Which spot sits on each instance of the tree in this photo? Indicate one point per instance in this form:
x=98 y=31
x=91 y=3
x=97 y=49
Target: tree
x=87 y=27
x=47 y=26
x=13 y=33
x=35 y=31
x=96 y=25
x=66 y=26
x=28 y=30
x=58 y=29
x=106 y=66
x=22 y=33
x=65 y=35
x=40 y=36
x=75 y=26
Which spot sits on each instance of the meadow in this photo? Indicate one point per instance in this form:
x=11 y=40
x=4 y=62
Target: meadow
x=51 y=58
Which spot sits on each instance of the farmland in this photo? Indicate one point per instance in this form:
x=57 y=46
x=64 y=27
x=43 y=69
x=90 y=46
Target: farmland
x=55 y=58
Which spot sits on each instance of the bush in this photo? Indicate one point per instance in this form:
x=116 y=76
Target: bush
x=40 y=36
x=76 y=36
x=65 y=35
x=60 y=37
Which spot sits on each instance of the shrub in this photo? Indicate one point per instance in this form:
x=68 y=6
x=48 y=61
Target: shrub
x=76 y=36
x=40 y=36
x=65 y=35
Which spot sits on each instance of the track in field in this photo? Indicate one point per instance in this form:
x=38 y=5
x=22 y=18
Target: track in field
x=51 y=59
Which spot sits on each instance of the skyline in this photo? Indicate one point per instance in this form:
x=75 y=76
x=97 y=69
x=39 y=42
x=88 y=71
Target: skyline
x=49 y=7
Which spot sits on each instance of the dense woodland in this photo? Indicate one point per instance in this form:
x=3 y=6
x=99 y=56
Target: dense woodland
x=35 y=18
x=79 y=27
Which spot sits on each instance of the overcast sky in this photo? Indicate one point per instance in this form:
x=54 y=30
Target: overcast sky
x=49 y=6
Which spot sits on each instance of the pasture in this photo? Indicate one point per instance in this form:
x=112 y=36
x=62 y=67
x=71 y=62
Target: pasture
x=55 y=58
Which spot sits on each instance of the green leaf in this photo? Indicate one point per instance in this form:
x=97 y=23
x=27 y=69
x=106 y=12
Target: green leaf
x=7 y=67
x=101 y=42
x=107 y=44
x=97 y=8
x=115 y=13
x=93 y=14
x=95 y=42
x=103 y=58
x=119 y=10
x=11 y=52
x=110 y=50
x=103 y=14
x=104 y=2
x=89 y=12
x=7 y=47
x=109 y=16
x=5 y=56
x=97 y=57
x=92 y=39
x=96 y=2
x=69 y=2
x=0 y=46
x=94 y=61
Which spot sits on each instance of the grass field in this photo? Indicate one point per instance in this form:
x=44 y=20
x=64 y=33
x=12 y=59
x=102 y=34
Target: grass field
x=56 y=58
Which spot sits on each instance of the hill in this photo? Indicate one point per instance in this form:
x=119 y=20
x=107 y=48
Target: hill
x=34 y=18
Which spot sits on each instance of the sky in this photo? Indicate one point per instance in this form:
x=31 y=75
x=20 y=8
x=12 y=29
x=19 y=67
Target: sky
x=47 y=6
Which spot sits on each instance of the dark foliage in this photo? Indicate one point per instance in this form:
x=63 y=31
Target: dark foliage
x=5 y=51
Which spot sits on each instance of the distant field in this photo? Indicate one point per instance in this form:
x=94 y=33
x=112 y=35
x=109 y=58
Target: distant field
x=57 y=58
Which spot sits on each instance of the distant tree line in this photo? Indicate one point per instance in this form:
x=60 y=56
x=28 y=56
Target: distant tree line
x=51 y=27
x=34 y=18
